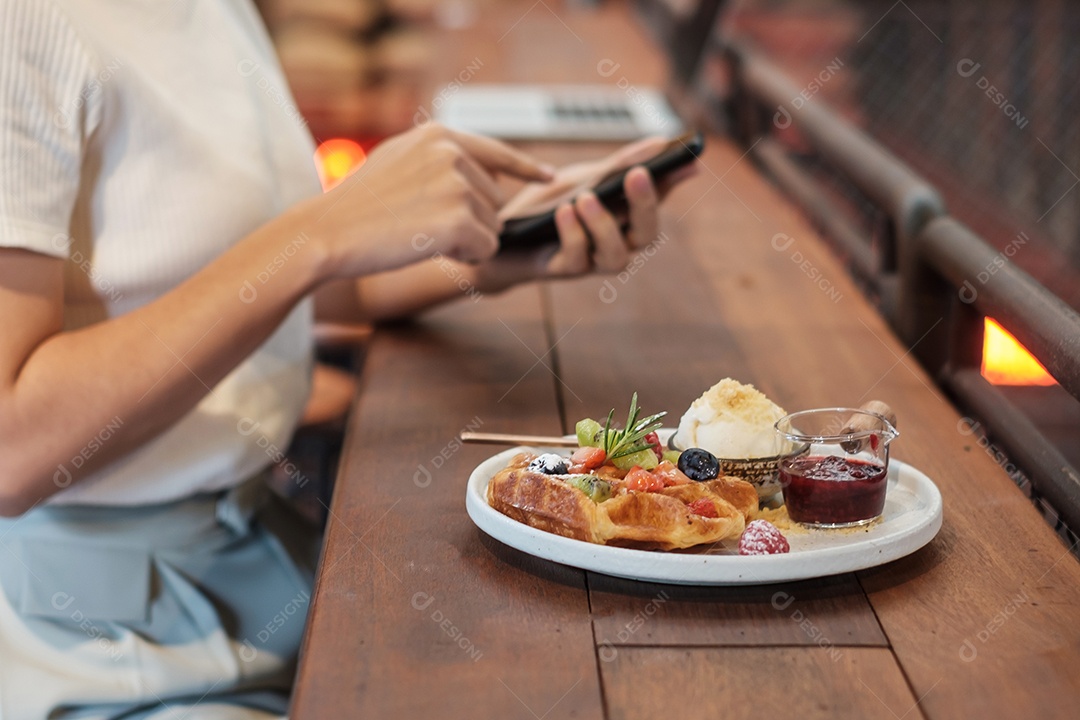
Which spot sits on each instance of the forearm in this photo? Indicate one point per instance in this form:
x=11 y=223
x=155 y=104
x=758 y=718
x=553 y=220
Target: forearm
x=411 y=290
x=146 y=368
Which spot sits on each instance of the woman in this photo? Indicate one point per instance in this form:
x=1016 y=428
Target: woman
x=163 y=252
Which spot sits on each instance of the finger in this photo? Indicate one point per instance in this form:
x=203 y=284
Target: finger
x=643 y=201
x=500 y=157
x=481 y=180
x=573 y=255
x=484 y=213
x=610 y=252
x=635 y=152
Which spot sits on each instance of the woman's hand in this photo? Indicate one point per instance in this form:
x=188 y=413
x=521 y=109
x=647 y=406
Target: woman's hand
x=430 y=190
x=591 y=238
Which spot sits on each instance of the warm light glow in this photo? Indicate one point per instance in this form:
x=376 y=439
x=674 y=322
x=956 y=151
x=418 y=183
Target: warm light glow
x=336 y=160
x=1007 y=362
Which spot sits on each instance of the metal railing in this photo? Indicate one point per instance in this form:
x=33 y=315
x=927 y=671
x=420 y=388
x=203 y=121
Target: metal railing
x=766 y=103
x=931 y=272
x=1043 y=323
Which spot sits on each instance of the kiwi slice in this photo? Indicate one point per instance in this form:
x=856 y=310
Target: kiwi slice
x=596 y=489
x=589 y=433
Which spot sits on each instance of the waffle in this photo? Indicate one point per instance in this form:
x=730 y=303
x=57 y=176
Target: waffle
x=652 y=520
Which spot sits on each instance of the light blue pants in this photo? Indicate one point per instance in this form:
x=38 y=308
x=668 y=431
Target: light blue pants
x=189 y=609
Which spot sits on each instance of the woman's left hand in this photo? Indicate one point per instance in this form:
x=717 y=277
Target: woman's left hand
x=590 y=237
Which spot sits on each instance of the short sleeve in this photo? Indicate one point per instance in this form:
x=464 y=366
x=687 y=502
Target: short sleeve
x=48 y=107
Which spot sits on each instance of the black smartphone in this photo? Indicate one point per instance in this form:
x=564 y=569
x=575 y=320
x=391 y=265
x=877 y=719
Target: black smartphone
x=534 y=231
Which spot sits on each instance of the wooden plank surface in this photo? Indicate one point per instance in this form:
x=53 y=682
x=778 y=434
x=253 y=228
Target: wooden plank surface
x=984 y=622
x=986 y=604
x=416 y=613
x=773 y=683
x=825 y=613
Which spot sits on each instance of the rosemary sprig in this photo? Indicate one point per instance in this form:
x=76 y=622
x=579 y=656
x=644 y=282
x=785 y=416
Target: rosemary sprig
x=620 y=443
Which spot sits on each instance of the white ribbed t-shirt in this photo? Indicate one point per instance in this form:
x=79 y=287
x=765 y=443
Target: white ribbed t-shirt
x=138 y=141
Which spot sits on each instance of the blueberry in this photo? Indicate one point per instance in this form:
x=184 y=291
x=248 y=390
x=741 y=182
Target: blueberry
x=698 y=464
x=549 y=464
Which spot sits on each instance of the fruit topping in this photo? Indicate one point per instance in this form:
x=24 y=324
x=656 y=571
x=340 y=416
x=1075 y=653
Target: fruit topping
x=587 y=458
x=550 y=464
x=672 y=456
x=762 y=538
x=698 y=464
x=644 y=458
x=641 y=480
x=653 y=441
x=598 y=490
x=589 y=433
x=670 y=474
x=633 y=438
x=703 y=507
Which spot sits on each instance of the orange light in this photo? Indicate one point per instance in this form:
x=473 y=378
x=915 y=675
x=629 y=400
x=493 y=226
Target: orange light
x=336 y=160
x=1007 y=362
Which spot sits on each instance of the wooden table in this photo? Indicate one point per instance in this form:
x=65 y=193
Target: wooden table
x=418 y=614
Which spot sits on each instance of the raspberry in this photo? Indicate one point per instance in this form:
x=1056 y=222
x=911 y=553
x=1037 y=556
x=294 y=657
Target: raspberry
x=762 y=538
x=653 y=441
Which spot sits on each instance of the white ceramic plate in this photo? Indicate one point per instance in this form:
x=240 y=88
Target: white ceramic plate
x=911 y=519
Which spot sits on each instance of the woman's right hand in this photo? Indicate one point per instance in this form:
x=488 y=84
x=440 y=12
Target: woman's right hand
x=428 y=190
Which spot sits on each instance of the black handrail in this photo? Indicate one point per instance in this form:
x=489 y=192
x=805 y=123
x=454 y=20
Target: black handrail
x=909 y=199
x=985 y=278
x=1052 y=476
x=946 y=277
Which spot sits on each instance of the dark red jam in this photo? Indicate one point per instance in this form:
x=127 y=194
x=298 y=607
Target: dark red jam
x=832 y=490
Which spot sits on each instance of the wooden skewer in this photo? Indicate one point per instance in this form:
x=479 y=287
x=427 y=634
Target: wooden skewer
x=508 y=439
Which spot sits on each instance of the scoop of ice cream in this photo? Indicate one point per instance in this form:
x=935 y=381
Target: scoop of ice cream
x=732 y=421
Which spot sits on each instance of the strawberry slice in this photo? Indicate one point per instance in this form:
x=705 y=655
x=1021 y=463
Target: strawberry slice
x=670 y=474
x=703 y=507
x=641 y=480
x=587 y=458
